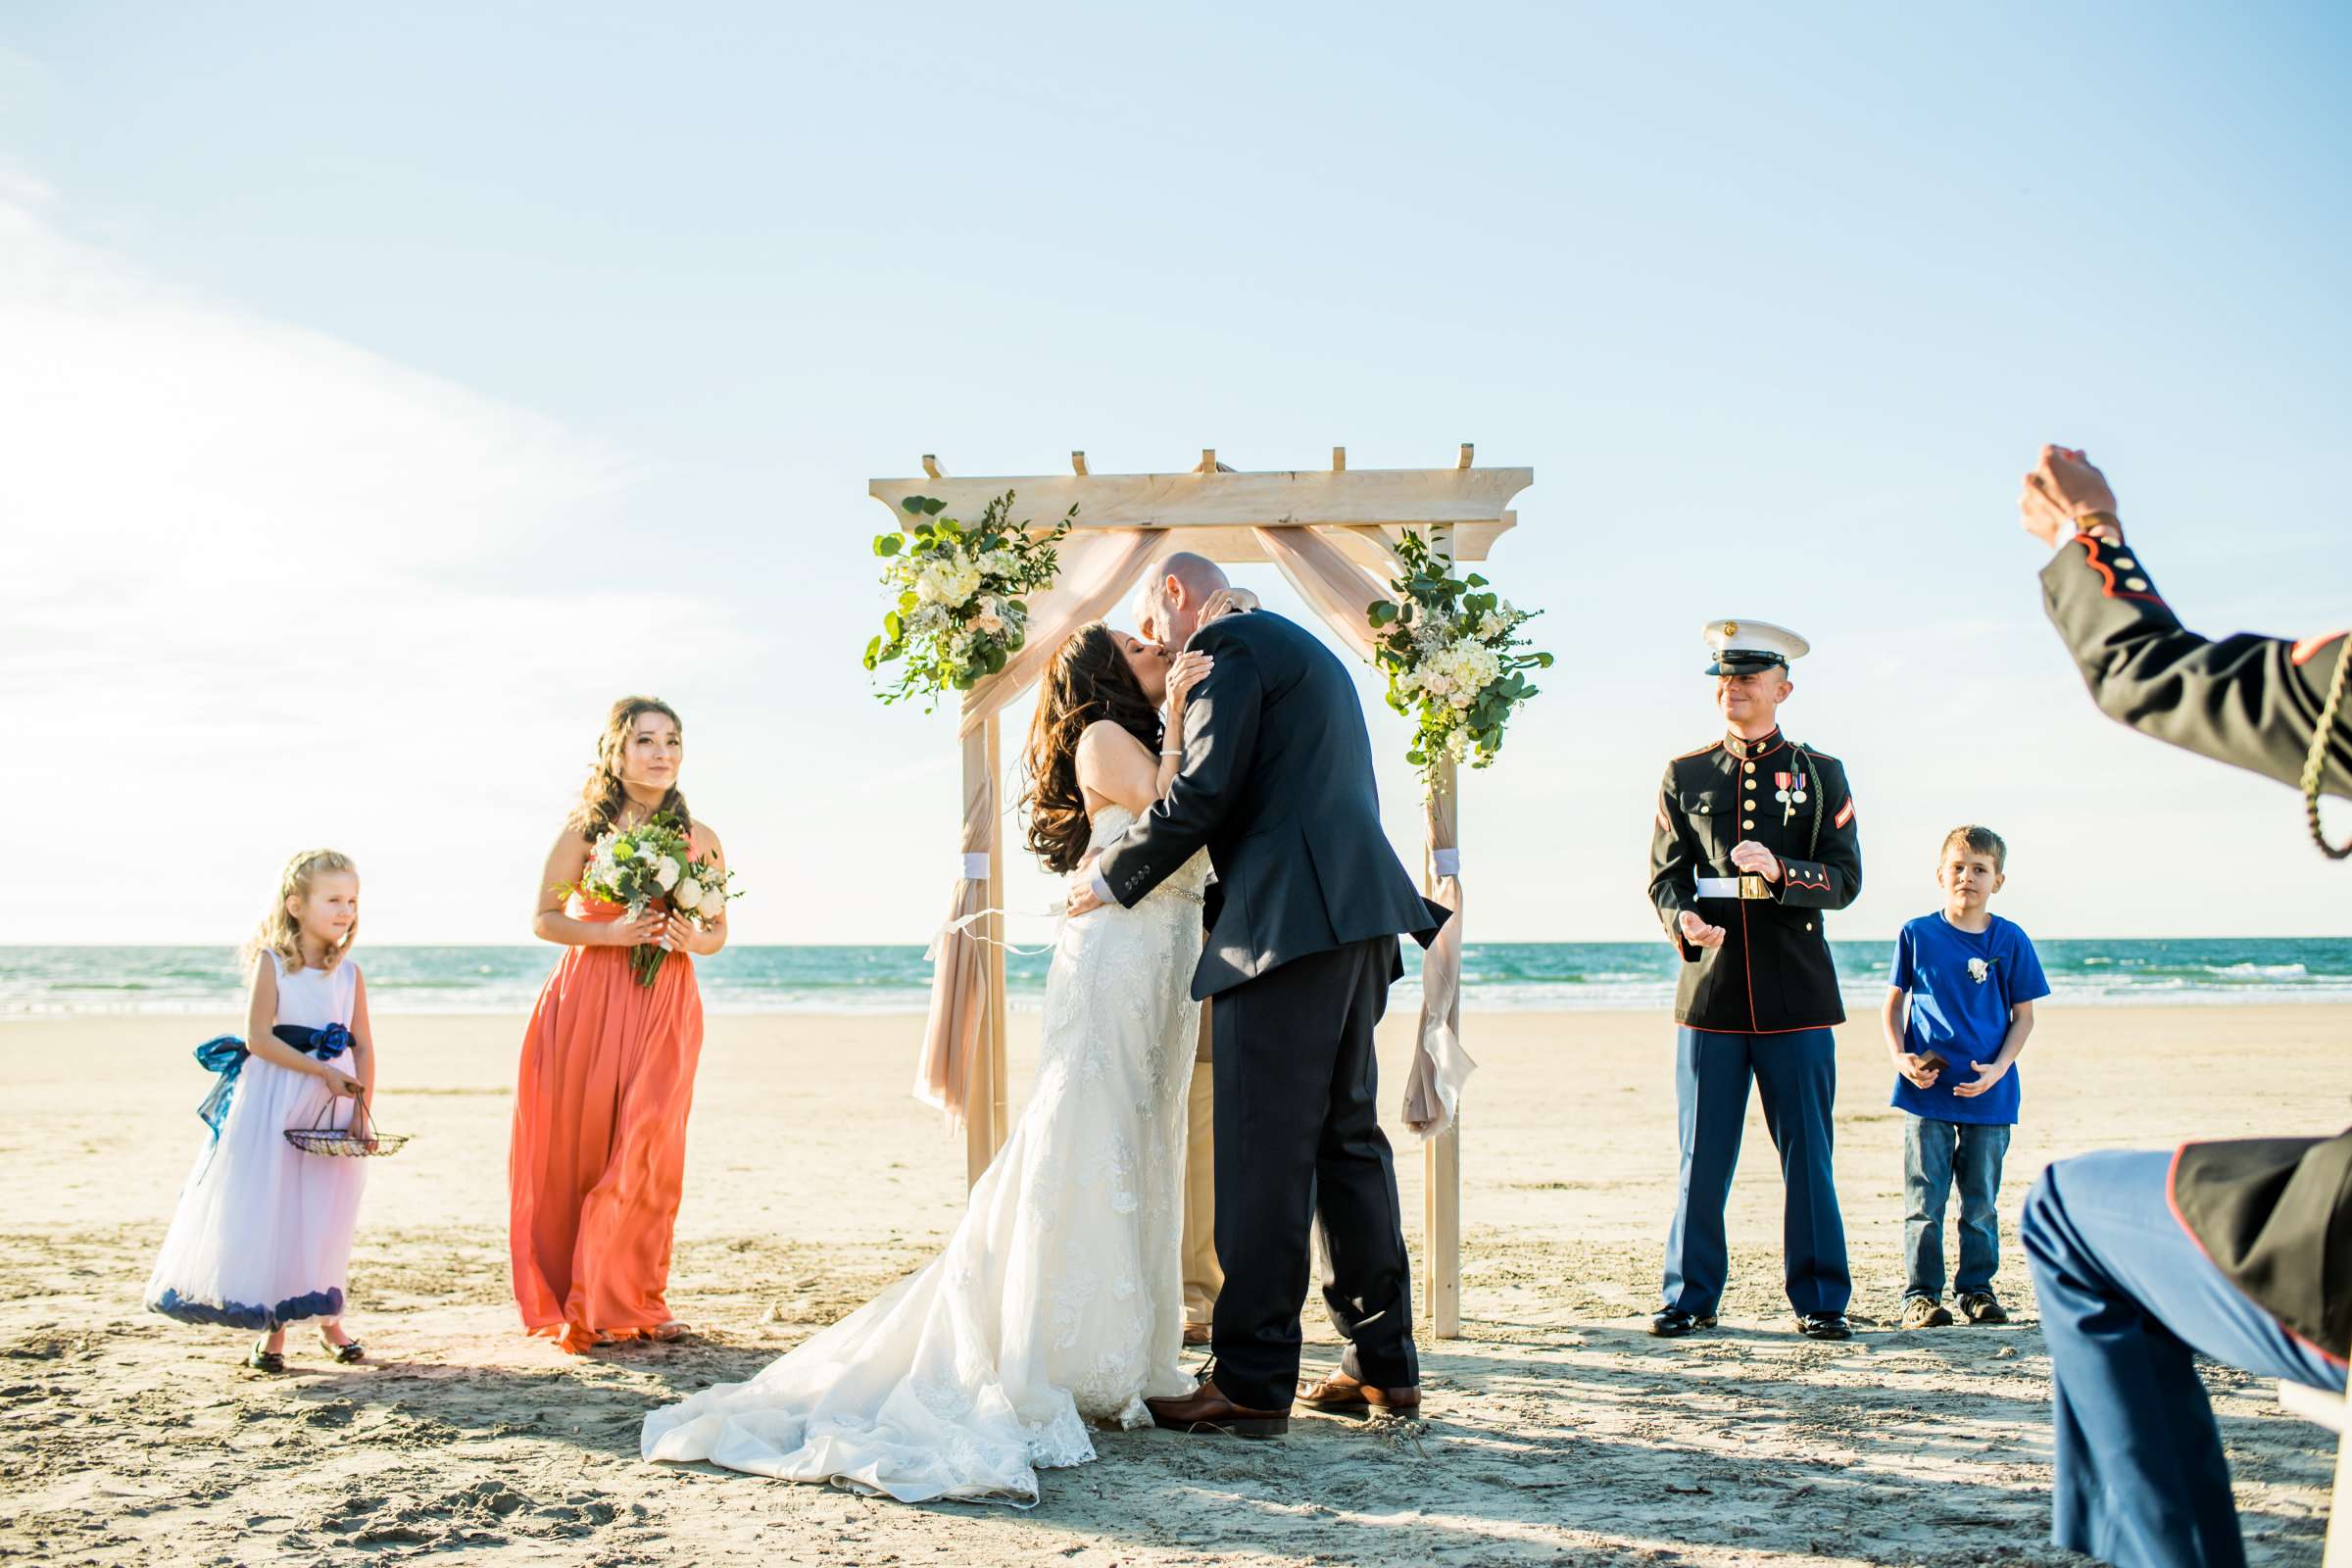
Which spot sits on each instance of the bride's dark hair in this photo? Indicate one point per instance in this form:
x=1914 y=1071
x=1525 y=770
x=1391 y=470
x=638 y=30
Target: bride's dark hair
x=1088 y=681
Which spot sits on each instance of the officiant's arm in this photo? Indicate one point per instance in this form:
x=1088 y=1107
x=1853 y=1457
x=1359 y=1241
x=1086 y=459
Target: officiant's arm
x=1220 y=737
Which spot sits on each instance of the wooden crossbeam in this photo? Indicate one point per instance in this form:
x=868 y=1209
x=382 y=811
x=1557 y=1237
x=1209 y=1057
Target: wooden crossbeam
x=1218 y=507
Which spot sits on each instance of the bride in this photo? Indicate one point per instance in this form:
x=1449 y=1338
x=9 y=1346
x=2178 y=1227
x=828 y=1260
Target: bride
x=1058 y=1300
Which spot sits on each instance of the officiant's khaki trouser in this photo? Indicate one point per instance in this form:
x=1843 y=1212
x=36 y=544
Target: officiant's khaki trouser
x=1203 y=1278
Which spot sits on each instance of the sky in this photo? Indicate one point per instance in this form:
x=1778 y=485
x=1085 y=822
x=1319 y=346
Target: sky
x=382 y=394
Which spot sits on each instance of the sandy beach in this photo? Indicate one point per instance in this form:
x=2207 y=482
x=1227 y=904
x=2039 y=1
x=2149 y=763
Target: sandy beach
x=1555 y=1431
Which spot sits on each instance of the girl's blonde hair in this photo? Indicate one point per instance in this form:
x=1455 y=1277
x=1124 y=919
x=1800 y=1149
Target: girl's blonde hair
x=278 y=931
x=604 y=798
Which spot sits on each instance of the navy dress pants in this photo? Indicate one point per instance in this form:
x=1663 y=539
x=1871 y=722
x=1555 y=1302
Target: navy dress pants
x=2128 y=1301
x=1796 y=1075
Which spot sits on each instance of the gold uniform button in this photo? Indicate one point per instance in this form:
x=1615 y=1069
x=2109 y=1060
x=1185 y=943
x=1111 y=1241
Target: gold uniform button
x=1751 y=767
x=1750 y=823
x=2136 y=584
x=2124 y=562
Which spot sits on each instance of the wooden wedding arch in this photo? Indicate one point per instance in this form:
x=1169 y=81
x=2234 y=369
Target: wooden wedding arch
x=1332 y=534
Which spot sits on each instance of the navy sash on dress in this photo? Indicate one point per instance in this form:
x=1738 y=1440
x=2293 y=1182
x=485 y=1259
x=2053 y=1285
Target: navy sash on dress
x=225 y=1055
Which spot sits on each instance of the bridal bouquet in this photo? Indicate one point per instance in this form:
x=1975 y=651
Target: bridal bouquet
x=1456 y=661
x=960 y=614
x=652 y=862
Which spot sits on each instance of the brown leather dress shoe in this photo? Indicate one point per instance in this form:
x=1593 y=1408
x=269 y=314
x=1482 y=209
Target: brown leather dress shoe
x=1196 y=1335
x=1207 y=1409
x=1342 y=1394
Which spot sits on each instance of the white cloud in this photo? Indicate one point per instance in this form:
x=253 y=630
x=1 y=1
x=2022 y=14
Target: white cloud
x=259 y=589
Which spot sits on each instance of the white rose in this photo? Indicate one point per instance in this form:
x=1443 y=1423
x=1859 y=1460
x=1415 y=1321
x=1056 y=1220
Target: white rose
x=666 y=871
x=994 y=625
x=687 y=894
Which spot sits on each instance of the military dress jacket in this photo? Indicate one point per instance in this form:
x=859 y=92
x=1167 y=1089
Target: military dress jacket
x=2246 y=700
x=1773 y=974
x=2275 y=1215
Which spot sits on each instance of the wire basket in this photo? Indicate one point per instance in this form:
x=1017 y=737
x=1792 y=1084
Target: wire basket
x=357 y=1138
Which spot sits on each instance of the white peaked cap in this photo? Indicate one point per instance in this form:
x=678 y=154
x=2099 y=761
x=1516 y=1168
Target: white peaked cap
x=1742 y=647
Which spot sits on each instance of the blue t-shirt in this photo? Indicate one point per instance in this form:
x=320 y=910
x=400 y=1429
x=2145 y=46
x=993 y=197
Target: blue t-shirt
x=1960 y=1017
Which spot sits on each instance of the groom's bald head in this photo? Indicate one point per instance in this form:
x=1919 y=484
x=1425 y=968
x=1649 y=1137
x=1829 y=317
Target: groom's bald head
x=1169 y=610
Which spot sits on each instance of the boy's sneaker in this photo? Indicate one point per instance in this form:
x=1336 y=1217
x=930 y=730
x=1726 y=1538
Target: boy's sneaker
x=1926 y=1312
x=1982 y=1306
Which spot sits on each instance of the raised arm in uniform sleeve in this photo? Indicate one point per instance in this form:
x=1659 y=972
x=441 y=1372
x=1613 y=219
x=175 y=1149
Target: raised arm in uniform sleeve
x=1673 y=863
x=1220 y=735
x=2246 y=700
x=1834 y=880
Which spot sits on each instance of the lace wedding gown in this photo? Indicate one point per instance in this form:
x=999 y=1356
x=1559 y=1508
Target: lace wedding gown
x=1060 y=1298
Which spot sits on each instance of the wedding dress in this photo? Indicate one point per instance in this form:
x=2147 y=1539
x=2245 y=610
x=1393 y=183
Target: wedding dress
x=1060 y=1298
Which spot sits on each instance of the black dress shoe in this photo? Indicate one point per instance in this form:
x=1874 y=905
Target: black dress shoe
x=1673 y=1323
x=1824 y=1326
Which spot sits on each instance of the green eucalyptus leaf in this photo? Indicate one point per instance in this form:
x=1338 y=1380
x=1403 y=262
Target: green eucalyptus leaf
x=886 y=545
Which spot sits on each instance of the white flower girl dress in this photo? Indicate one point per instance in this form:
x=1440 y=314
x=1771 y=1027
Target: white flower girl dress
x=263 y=1234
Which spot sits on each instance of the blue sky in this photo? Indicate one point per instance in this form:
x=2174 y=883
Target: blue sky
x=394 y=390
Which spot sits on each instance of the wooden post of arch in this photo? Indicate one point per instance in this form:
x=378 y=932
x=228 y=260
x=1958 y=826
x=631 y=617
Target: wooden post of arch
x=985 y=1127
x=1442 y=1156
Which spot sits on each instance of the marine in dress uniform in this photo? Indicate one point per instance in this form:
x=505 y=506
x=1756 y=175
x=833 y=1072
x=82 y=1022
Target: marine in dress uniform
x=1754 y=844
x=2239 y=1249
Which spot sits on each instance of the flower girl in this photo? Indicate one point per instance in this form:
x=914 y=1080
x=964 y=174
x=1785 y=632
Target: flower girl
x=263 y=1234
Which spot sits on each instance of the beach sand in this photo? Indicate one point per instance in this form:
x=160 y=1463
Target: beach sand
x=1555 y=1431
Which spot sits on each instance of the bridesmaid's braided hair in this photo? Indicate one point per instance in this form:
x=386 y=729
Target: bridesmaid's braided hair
x=604 y=798
x=1087 y=682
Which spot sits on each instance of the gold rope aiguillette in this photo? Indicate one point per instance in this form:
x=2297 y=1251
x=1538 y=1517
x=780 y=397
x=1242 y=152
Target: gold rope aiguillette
x=2315 y=764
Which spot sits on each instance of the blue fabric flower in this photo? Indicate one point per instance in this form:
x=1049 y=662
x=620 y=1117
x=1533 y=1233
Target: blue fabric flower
x=226 y=1055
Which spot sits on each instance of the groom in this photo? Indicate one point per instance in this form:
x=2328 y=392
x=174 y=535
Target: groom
x=1277 y=786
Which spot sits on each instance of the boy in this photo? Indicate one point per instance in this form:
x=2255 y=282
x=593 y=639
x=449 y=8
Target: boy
x=1957 y=1015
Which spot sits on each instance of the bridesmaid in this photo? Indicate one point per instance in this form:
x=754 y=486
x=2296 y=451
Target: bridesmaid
x=607 y=1067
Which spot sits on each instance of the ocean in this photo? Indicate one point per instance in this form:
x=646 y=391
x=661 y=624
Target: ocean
x=1500 y=976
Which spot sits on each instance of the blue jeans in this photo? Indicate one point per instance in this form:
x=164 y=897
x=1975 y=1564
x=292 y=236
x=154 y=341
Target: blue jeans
x=1797 y=1077
x=1935 y=1154
x=2129 y=1301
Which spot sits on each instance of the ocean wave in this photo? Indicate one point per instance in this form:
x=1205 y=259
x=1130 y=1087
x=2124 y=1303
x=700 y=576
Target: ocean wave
x=1498 y=977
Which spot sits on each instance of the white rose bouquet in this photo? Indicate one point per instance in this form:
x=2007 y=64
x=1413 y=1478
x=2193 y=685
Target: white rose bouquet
x=1456 y=661
x=651 y=864
x=960 y=613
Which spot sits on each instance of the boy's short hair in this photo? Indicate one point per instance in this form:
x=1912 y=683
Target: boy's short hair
x=1980 y=839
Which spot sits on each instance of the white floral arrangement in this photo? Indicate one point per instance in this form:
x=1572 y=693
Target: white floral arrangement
x=960 y=614
x=653 y=862
x=1456 y=661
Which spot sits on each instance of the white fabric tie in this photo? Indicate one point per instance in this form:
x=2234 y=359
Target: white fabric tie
x=975 y=867
x=1446 y=862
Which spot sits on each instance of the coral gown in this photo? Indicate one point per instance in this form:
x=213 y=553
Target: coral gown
x=599 y=1154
